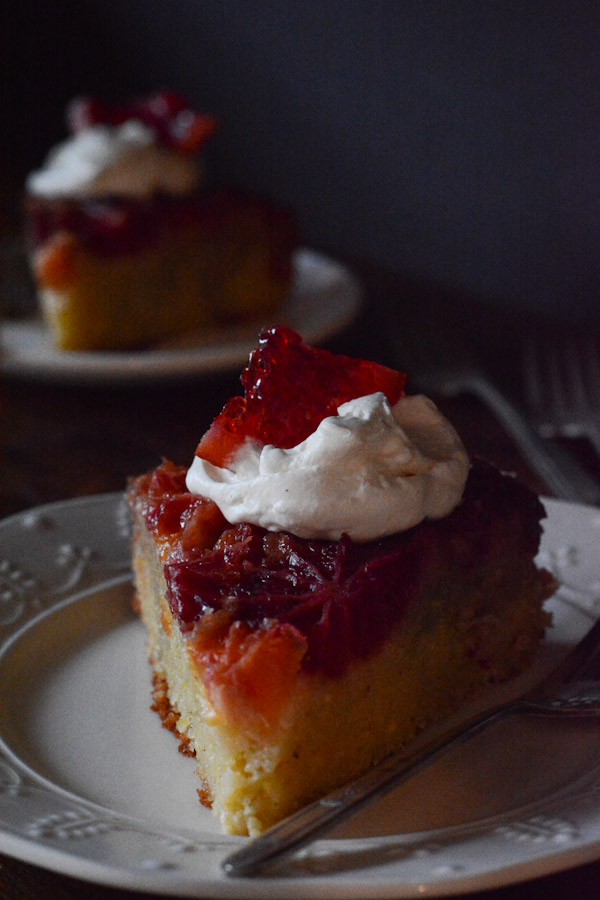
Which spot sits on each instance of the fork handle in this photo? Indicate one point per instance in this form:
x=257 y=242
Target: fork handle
x=558 y=470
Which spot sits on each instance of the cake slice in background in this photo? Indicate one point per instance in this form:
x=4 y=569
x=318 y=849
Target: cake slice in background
x=128 y=245
x=289 y=660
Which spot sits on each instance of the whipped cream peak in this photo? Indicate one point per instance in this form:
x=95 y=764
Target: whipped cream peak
x=370 y=471
x=124 y=160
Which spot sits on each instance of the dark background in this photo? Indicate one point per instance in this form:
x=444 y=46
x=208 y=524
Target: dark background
x=456 y=142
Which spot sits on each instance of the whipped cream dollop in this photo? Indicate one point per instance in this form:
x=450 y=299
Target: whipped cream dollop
x=370 y=471
x=114 y=160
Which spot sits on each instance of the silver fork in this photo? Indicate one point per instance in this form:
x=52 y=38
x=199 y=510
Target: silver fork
x=562 y=384
x=571 y=689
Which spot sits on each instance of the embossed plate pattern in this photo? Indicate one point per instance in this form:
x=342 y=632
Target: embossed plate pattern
x=324 y=299
x=92 y=786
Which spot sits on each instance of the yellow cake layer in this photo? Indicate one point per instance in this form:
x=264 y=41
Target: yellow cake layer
x=180 y=284
x=334 y=728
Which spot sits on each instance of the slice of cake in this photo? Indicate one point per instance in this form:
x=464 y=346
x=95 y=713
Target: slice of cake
x=128 y=244
x=329 y=576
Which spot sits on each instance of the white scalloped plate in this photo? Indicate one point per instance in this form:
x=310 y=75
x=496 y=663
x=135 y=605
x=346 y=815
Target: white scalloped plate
x=92 y=786
x=325 y=298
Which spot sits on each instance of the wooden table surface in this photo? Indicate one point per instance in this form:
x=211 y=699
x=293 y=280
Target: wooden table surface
x=59 y=441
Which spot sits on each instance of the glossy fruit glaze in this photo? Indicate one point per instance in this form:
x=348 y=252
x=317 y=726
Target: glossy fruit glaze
x=289 y=388
x=111 y=225
x=337 y=599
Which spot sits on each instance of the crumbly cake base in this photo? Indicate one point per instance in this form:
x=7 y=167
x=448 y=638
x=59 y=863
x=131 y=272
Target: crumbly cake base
x=170 y=720
x=335 y=728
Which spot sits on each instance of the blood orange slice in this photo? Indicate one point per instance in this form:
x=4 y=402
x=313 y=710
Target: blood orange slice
x=289 y=387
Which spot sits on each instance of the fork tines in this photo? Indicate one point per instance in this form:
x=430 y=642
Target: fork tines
x=562 y=381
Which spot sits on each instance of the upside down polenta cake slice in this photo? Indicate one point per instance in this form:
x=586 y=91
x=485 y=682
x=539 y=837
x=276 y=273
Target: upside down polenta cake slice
x=329 y=576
